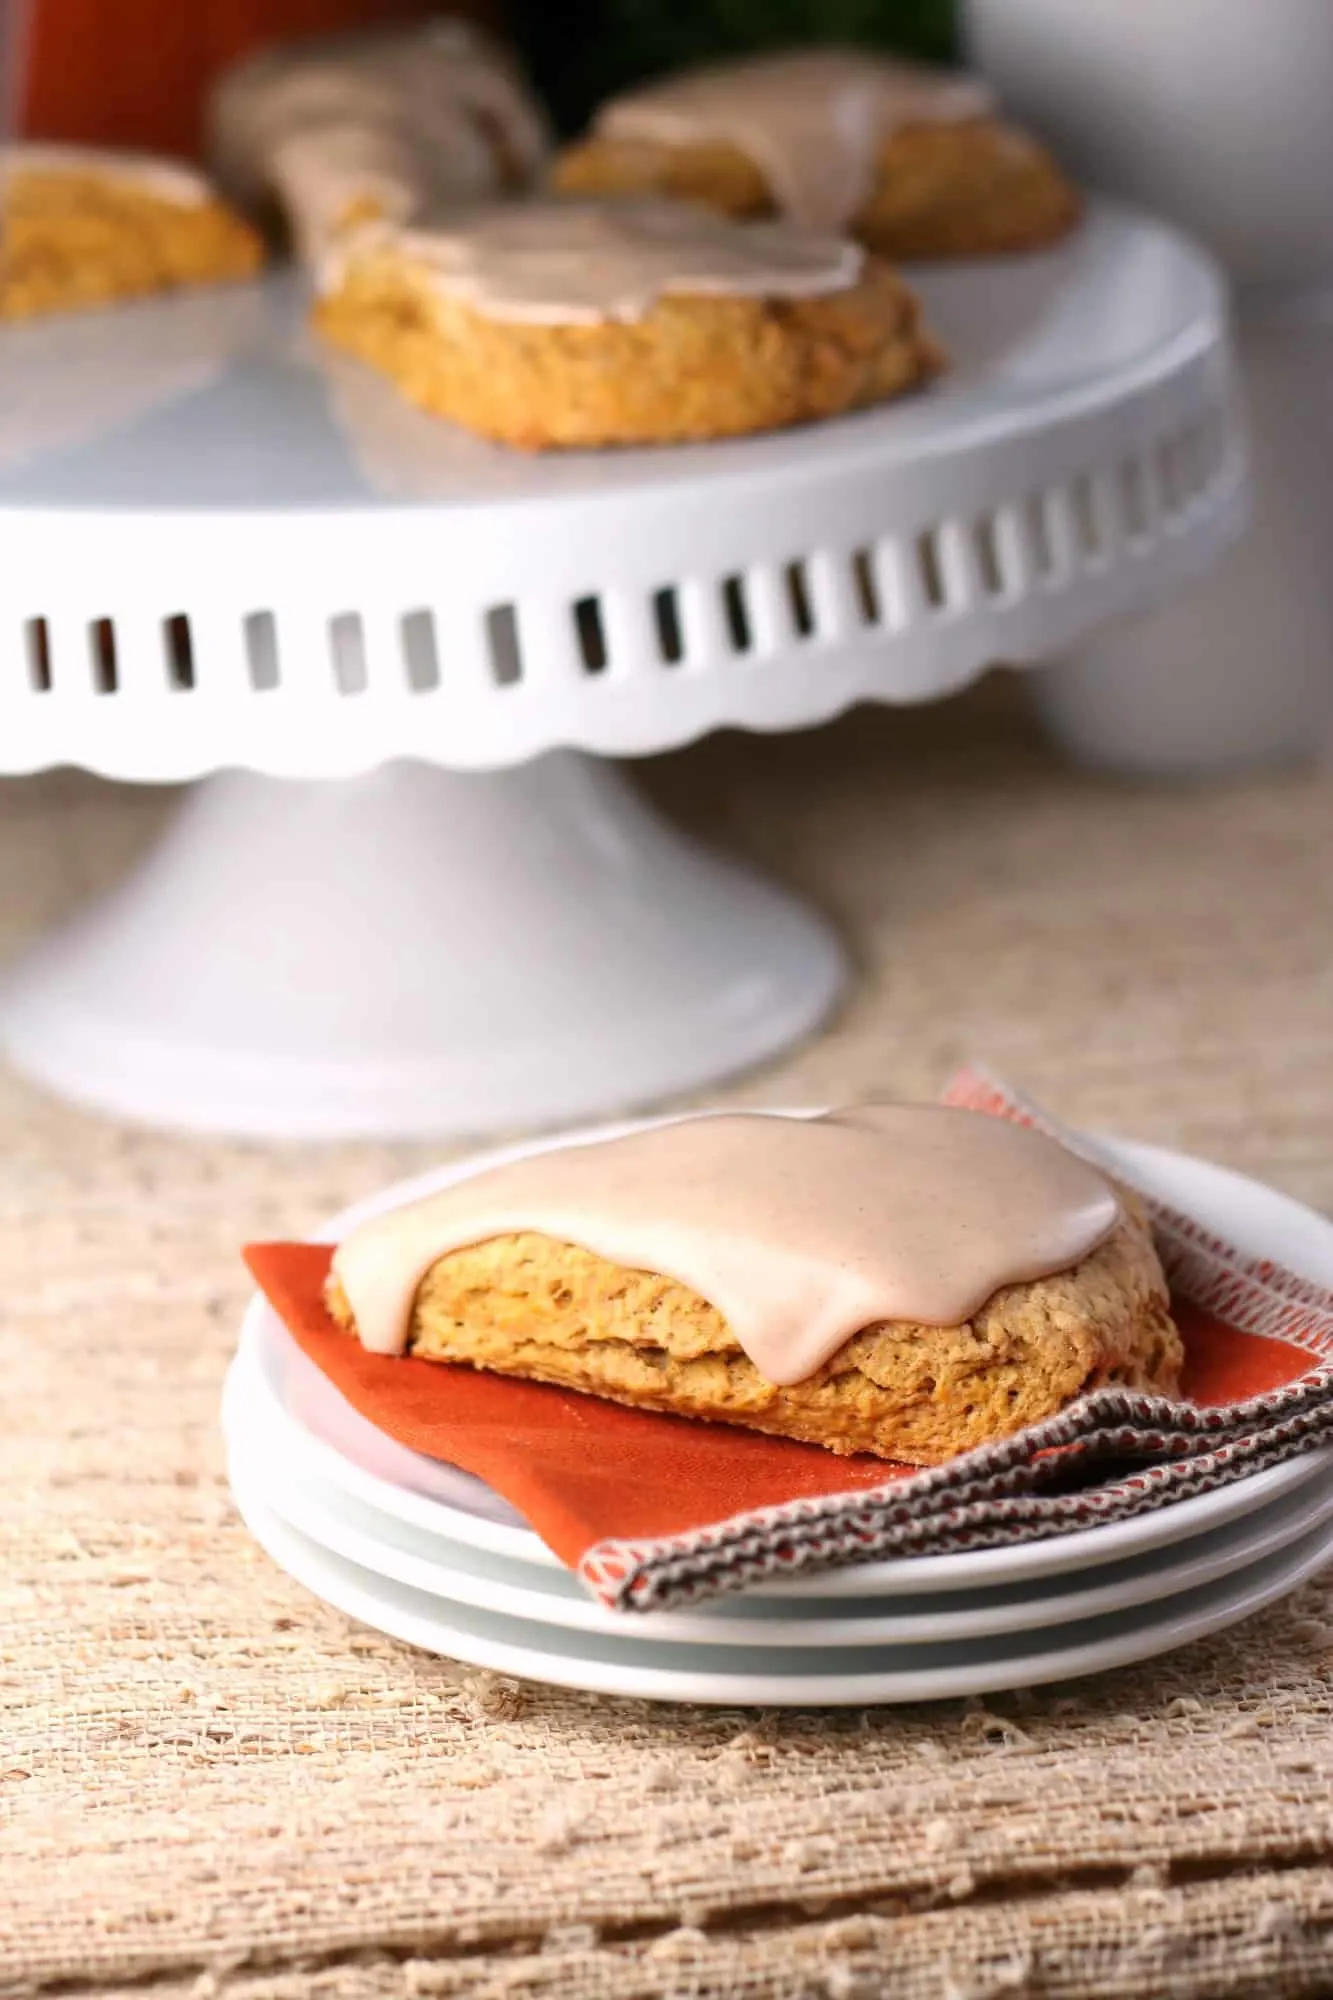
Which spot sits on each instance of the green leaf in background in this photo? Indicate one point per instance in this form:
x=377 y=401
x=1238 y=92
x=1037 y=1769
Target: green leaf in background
x=580 y=50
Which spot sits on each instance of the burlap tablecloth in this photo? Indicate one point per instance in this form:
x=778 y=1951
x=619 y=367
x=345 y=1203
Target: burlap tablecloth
x=211 y=1786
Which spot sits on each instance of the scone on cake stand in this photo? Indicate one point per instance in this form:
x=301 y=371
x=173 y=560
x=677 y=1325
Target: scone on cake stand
x=413 y=892
x=913 y=161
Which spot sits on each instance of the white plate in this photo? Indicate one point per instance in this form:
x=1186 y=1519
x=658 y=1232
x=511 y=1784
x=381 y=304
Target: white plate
x=864 y=1675
x=335 y=1443
x=487 y=1582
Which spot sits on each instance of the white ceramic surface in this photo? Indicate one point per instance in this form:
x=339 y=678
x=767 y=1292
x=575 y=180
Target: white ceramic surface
x=263 y=574
x=324 y=1437
x=1214 y=112
x=417 y=951
x=856 y=1677
x=428 y=1563
x=279 y=570
x=1236 y=671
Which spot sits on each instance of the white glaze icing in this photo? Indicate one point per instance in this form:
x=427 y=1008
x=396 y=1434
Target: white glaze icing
x=409 y=119
x=569 y=263
x=812 y=121
x=322 y=175
x=799 y=1232
x=168 y=179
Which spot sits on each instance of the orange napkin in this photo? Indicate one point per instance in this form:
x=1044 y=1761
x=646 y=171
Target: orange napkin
x=654 y=1509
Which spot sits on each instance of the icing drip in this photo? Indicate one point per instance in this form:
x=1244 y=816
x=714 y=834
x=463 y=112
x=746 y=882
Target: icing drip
x=800 y=1232
x=812 y=122
x=326 y=176
x=166 y=179
x=399 y=121
x=585 y=263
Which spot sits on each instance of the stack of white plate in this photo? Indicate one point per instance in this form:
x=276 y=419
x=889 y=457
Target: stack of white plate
x=430 y=1555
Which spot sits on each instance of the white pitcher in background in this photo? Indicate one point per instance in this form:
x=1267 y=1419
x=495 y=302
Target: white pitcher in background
x=1217 y=114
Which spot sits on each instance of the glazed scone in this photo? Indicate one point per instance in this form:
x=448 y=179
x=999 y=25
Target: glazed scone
x=914 y=164
x=806 y=1233
x=81 y=228
x=545 y=325
x=388 y=124
x=525 y=1305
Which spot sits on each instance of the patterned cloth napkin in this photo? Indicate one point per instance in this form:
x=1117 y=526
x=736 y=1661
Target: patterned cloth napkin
x=656 y=1510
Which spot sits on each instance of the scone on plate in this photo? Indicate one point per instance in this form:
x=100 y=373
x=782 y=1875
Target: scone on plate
x=388 y=123
x=907 y=1281
x=549 y=323
x=915 y=162
x=81 y=227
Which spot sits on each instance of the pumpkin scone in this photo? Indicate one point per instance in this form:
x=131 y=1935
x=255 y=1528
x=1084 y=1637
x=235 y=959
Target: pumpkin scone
x=914 y=162
x=80 y=228
x=550 y=324
x=906 y=1281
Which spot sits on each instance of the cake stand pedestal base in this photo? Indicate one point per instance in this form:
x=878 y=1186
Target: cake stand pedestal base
x=417 y=952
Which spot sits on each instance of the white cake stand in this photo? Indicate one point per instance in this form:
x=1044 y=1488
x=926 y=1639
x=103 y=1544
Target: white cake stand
x=403 y=900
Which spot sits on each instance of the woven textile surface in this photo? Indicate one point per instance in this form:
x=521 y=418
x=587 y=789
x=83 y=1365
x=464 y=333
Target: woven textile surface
x=211 y=1786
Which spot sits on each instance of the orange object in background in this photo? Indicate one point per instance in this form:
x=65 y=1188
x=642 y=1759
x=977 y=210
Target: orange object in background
x=134 y=72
